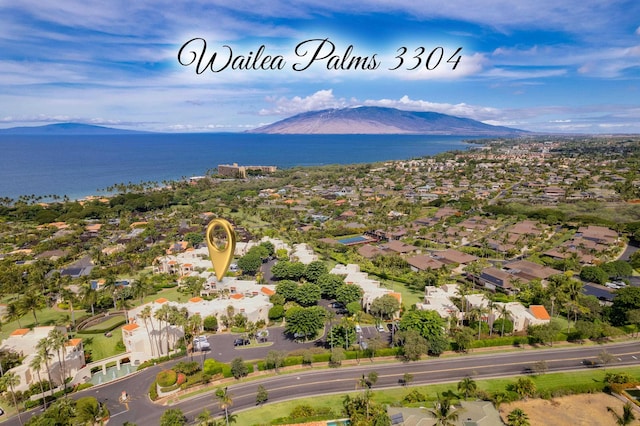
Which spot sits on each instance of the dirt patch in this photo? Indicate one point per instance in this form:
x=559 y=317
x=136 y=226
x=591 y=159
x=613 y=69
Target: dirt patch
x=575 y=410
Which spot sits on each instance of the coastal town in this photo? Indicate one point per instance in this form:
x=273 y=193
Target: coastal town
x=514 y=242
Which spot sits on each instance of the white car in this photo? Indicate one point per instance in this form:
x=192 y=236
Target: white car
x=358 y=328
x=380 y=328
x=201 y=343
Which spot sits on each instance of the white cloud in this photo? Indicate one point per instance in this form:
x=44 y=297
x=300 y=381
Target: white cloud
x=461 y=110
x=322 y=99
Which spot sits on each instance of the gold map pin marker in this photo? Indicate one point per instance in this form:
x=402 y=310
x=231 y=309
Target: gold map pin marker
x=221 y=240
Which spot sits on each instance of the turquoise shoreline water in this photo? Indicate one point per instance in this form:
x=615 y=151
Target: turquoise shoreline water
x=79 y=165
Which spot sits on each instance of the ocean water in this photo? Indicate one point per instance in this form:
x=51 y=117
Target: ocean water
x=81 y=165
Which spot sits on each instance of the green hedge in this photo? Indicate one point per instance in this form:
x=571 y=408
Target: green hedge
x=497 y=341
x=104 y=330
x=226 y=369
x=153 y=391
x=166 y=378
x=83 y=386
x=292 y=360
x=321 y=357
x=169 y=388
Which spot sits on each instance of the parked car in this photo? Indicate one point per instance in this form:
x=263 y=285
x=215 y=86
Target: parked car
x=241 y=342
x=358 y=328
x=201 y=343
x=380 y=328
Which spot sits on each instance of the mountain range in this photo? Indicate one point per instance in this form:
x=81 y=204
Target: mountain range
x=67 y=129
x=380 y=120
x=357 y=120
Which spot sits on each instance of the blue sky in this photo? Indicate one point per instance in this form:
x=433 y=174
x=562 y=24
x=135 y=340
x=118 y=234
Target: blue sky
x=548 y=65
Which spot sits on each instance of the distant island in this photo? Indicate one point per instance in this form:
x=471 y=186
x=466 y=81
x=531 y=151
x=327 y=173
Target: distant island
x=67 y=129
x=380 y=120
x=346 y=121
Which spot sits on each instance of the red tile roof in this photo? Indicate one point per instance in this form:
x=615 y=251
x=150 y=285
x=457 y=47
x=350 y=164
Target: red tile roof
x=130 y=327
x=540 y=312
x=267 y=291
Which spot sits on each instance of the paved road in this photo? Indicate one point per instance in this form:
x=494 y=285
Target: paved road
x=314 y=382
x=424 y=372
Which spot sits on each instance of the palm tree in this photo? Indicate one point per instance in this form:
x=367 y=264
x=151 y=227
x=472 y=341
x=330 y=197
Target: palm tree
x=145 y=314
x=627 y=416
x=93 y=413
x=518 y=417
x=89 y=297
x=14 y=312
x=573 y=288
x=205 y=419
x=11 y=380
x=491 y=305
x=141 y=286
x=69 y=297
x=225 y=401
x=43 y=347
x=36 y=365
x=163 y=314
x=58 y=341
x=477 y=313
x=33 y=301
x=467 y=386
x=462 y=291
x=111 y=288
x=443 y=412
x=503 y=312
x=192 y=328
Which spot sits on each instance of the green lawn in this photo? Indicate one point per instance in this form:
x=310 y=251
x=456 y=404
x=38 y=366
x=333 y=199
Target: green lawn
x=409 y=296
x=265 y=414
x=107 y=324
x=101 y=346
x=47 y=316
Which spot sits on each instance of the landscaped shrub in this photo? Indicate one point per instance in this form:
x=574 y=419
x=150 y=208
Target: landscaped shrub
x=414 y=396
x=83 y=386
x=181 y=379
x=302 y=411
x=210 y=323
x=496 y=341
x=166 y=378
x=187 y=368
x=292 y=360
x=387 y=352
x=611 y=377
x=196 y=379
x=153 y=391
x=322 y=357
x=212 y=367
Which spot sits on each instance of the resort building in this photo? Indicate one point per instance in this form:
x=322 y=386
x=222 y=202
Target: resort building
x=146 y=336
x=371 y=288
x=24 y=341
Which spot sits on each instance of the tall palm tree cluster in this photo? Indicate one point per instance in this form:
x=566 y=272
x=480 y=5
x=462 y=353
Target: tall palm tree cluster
x=168 y=316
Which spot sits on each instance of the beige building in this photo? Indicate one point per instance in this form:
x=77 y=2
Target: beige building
x=24 y=341
x=146 y=339
x=371 y=288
